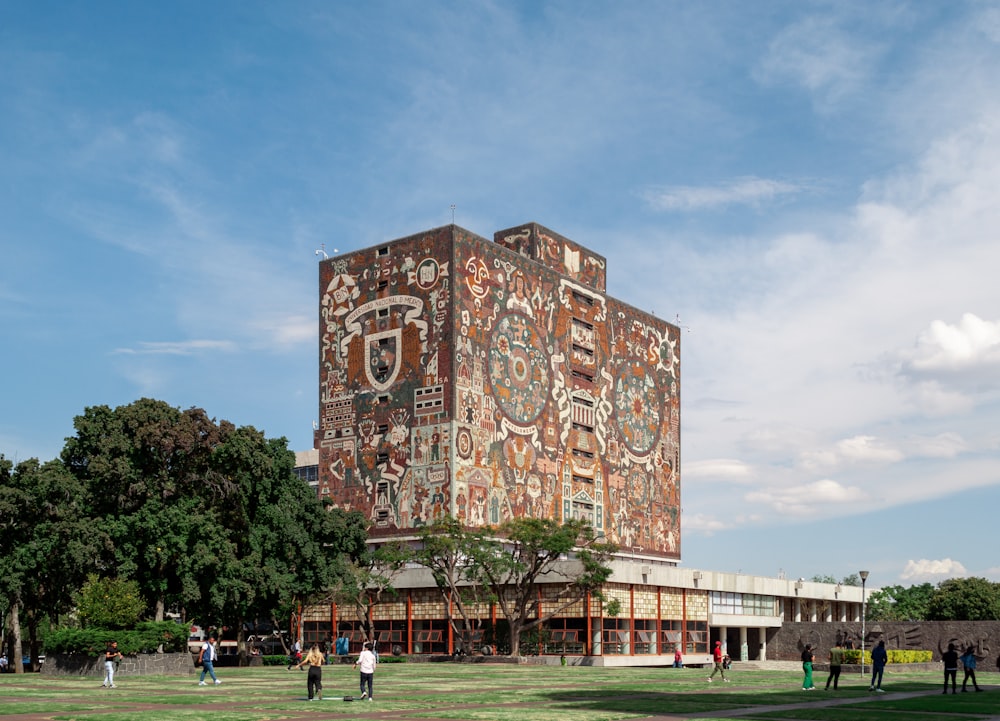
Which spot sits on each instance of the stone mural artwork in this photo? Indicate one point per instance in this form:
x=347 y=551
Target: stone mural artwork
x=513 y=386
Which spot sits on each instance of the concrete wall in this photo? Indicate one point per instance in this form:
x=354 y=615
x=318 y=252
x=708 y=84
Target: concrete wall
x=786 y=643
x=143 y=664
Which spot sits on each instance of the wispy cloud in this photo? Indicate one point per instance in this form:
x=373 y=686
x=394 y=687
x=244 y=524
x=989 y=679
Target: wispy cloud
x=818 y=54
x=189 y=347
x=750 y=191
x=806 y=499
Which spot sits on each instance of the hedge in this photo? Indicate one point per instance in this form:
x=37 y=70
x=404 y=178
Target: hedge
x=146 y=637
x=895 y=656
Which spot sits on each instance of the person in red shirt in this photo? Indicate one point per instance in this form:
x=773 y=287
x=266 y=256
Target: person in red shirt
x=717 y=657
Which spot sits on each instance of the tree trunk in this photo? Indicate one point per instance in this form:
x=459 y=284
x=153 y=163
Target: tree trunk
x=15 y=630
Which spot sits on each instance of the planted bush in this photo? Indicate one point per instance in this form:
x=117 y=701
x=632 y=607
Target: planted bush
x=146 y=637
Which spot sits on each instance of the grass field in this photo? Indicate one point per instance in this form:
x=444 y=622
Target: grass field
x=491 y=692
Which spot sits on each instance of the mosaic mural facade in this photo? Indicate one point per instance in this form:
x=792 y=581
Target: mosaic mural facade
x=492 y=380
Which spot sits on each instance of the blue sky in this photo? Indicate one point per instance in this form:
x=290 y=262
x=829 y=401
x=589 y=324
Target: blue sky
x=812 y=188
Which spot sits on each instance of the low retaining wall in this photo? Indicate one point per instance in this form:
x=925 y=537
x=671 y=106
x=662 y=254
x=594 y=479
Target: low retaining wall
x=786 y=643
x=143 y=664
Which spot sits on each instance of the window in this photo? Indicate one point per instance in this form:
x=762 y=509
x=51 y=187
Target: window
x=589 y=377
x=382 y=251
x=382 y=285
x=582 y=454
x=582 y=427
x=583 y=479
x=582 y=299
x=615 y=636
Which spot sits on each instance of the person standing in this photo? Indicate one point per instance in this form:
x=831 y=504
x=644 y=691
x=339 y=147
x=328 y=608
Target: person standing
x=717 y=658
x=295 y=655
x=969 y=664
x=879 y=659
x=678 y=657
x=112 y=657
x=950 y=660
x=366 y=664
x=836 y=660
x=807 y=667
x=314 y=681
x=207 y=658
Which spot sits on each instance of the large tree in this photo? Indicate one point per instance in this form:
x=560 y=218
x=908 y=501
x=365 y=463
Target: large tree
x=47 y=543
x=568 y=558
x=272 y=544
x=151 y=485
x=965 y=599
x=896 y=603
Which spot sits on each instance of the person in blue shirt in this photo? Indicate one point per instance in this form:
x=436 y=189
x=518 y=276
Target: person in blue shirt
x=969 y=663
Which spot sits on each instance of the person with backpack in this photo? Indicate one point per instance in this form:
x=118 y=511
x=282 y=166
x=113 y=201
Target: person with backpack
x=969 y=664
x=880 y=657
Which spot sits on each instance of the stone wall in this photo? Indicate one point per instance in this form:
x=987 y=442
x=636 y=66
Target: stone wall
x=143 y=664
x=786 y=643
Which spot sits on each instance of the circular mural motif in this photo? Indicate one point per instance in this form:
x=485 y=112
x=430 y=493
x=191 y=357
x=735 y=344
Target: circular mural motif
x=637 y=407
x=463 y=443
x=519 y=368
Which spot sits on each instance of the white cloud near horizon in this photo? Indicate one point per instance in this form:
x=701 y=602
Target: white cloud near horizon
x=189 y=347
x=741 y=191
x=932 y=570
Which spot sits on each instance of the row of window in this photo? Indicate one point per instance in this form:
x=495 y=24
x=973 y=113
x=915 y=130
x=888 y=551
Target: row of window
x=746 y=604
x=560 y=636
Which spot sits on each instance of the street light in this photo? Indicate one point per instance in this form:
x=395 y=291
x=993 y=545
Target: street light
x=864 y=577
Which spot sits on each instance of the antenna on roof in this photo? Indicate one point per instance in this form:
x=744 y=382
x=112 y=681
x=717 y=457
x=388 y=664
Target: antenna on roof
x=322 y=251
x=452 y=213
x=677 y=322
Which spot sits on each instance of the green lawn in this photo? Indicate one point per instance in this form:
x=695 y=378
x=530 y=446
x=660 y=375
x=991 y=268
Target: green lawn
x=492 y=692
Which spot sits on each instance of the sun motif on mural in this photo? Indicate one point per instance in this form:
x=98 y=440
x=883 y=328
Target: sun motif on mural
x=637 y=407
x=519 y=368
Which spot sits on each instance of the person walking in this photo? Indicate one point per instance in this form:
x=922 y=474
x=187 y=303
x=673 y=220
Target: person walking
x=207 y=658
x=296 y=654
x=969 y=664
x=678 y=657
x=366 y=663
x=836 y=660
x=807 y=667
x=879 y=659
x=314 y=681
x=717 y=658
x=112 y=657
x=950 y=660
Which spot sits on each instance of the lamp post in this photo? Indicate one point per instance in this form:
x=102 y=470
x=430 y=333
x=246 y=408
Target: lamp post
x=864 y=577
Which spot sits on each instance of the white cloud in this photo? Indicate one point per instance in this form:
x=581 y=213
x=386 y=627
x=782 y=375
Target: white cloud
x=742 y=191
x=189 y=347
x=928 y=570
x=719 y=468
x=807 y=499
x=943 y=347
x=702 y=523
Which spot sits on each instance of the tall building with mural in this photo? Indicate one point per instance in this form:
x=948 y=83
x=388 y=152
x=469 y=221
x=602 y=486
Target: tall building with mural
x=492 y=380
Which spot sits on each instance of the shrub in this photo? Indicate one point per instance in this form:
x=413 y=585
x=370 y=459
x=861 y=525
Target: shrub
x=146 y=637
x=853 y=655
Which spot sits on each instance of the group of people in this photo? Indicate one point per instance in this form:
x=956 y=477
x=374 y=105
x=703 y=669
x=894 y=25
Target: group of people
x=951 y=660
x=315 y=660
